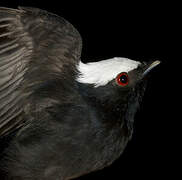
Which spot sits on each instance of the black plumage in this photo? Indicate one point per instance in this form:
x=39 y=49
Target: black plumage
x=52 y=126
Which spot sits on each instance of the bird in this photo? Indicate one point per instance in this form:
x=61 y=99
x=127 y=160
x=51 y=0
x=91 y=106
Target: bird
x=61 y=118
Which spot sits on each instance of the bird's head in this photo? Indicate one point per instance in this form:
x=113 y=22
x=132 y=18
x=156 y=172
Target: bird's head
x=115 y=86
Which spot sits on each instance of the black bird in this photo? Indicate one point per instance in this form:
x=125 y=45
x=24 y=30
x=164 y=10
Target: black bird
x=60 y=118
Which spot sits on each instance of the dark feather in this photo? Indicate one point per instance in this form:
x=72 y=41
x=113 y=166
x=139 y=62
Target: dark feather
x=35 y=47
x=51 y=125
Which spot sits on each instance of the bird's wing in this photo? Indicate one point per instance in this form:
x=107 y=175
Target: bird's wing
x=34 y=46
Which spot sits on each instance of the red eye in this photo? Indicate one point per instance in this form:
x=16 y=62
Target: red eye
x=122 y=79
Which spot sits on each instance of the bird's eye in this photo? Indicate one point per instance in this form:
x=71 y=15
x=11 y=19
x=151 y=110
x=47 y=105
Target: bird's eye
x=122 y=79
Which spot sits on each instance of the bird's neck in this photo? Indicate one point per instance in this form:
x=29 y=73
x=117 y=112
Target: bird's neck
x=109 y=108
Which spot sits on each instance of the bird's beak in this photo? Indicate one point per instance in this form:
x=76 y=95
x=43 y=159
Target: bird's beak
x=149 y=66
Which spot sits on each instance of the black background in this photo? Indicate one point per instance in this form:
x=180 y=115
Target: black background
x=145 y=31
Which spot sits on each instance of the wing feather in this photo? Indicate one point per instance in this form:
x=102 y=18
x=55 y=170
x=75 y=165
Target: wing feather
x=34 y=45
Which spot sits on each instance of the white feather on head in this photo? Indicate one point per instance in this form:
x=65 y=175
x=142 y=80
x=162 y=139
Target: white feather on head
x=102 y=72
